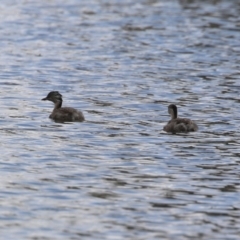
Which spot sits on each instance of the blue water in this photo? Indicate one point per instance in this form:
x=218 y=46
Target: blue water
x=118 y=175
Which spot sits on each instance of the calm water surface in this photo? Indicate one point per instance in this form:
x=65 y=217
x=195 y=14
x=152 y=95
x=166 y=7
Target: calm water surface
x=118 y=175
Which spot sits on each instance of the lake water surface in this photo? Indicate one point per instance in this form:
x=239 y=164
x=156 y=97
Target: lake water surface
x=118 y=175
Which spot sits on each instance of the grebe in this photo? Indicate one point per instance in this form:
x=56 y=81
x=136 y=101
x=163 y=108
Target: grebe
x=176 y=125
x=63 y=114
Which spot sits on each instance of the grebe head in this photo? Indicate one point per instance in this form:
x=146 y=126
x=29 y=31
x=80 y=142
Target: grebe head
x=172 y=110
x=53 y=96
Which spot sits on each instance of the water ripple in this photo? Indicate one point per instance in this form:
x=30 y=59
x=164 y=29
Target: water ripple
x=118 y=175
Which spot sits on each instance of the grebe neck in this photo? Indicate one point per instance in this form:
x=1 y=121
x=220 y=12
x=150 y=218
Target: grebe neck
x=58 y=104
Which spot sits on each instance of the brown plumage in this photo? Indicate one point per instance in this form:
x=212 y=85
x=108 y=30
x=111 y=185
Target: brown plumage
x=176 y=125
x=63 y=114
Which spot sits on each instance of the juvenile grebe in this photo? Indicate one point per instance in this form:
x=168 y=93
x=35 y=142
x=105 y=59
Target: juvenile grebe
x=63 y=114
x=176 y=125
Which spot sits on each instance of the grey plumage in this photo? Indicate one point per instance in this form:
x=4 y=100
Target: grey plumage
x=63 y=114
x=176 y=125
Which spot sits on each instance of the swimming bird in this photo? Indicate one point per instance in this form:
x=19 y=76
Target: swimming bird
x=63 y=114
x=176 y=125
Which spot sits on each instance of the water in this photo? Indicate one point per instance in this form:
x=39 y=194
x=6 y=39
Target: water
x=118 y=175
